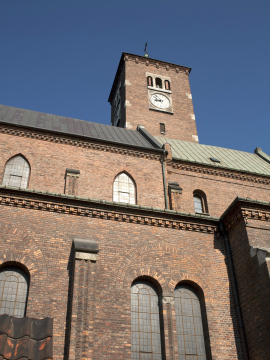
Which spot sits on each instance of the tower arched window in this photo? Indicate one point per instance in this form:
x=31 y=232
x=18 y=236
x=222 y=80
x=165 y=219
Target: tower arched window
x=146 y=334
x=14 y=285
x=167 y=85
x=149 y=81
x=189 y=325
x=200 y=203
x=17 y=172
x=124 y=189
x=159 y=83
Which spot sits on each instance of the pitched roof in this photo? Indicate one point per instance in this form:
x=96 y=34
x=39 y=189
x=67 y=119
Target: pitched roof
x=229 y=159
x=70 y=126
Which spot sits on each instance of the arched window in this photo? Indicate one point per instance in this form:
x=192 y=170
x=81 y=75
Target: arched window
x=200 y=203
x=124 y=189
x=167 y=85
x=159 y=83
x=145 y=322
x=13 y=291
x=149 y=81
x=189 y=326
x=17 y=172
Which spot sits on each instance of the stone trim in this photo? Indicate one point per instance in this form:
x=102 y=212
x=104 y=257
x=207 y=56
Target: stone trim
x=85 y=249
x=168 y=299
x=89 y=144
x=262 y=254
x=73 y=206
x=232 y=174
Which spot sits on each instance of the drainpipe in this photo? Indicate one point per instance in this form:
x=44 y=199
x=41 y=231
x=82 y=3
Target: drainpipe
x=235 y=293
x=163 y=159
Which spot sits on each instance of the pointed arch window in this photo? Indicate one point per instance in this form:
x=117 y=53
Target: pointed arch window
x=189 y=326
x=145 y=322
x=124 y=189
x=14 y=285
x=17 y=172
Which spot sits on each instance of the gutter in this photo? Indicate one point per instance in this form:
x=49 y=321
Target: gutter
x=163 y=159
x=235 y=293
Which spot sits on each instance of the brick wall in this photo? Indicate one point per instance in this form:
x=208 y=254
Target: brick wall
x=40 y=236
x=220 y=191
x=98 y=168
x=248 y=228
x=179 y=125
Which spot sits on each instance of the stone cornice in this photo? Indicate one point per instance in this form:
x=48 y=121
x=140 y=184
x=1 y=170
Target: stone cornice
x=78 y=206
x=245 y=209
x=124 y=149
x=222 y=172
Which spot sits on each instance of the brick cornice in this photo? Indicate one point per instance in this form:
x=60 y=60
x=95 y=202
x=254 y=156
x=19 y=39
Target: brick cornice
x=79 y=142
x=71 y=205
x=157 y=63
x=245 y=209
x=222 y=172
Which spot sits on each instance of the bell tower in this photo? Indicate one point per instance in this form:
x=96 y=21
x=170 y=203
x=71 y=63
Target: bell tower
x=155 y=94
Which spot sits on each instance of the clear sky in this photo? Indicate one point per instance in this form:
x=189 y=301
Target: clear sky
x=60 y=57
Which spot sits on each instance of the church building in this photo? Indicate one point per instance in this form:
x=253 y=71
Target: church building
x=132 y=241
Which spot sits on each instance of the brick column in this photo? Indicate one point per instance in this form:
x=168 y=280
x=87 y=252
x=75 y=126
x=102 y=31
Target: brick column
x=168 y=311
x=175 y=192
x=83 y=302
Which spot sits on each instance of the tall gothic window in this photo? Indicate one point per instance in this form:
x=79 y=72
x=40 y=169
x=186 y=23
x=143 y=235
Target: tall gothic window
x=190 y=337
x=124 y=189
x=145 y=322
x=17 y=172
x=13 y=291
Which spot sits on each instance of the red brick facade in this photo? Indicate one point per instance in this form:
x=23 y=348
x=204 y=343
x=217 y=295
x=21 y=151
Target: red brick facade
x=88 y=294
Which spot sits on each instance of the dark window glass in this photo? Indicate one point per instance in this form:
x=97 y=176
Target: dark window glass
x=159 y=83
x=13 y=291
x=149 y=81
x=145 y=322
x=162 y=128
x=167 y=85
x=190 y=337
x=16 y=172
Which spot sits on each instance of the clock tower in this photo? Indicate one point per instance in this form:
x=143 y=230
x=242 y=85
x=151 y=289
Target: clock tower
x=155 y=94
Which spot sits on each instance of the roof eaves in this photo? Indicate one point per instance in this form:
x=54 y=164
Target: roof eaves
x=258 y=151
x=150 y=148
x=219 y=166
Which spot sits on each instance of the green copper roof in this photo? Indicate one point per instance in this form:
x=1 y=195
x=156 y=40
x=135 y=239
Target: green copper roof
x=229 y=159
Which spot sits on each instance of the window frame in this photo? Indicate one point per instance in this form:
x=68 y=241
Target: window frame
x=134 y=184
x=23 y=274
x=200 y=195
x=151 y=283
x=10 y=172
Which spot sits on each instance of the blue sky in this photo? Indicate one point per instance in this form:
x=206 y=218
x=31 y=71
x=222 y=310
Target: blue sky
x=60 y=57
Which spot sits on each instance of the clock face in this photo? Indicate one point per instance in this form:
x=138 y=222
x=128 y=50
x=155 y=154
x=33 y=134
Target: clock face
x=160 y=101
